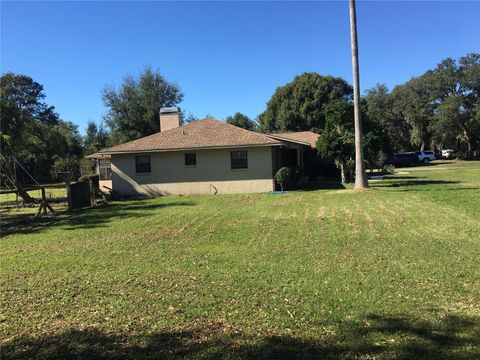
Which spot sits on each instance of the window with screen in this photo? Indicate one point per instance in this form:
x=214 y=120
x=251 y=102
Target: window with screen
x=239 y=159
x=105 y=170
x=190 y=159
x=142 y=164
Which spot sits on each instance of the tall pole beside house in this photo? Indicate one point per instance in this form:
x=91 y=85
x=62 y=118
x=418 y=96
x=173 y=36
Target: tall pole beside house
x=360 y=173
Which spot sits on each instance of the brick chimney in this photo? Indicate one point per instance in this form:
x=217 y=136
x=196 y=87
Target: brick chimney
x=170 y=117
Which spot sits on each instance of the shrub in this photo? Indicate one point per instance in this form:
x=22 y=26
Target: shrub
x=283 y=176
x=288 y=176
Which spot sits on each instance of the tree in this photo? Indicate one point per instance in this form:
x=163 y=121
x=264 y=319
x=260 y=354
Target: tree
x=412 y=102
x=376 y=140
x=133 y=109
x=95 y=138
x=297 y=106
x=337 y=140
x=66 y=139
x=25 y=119
x=360 y=173
x=190 y=118
x=457 y=126
x=380 y=110
x=455 y=96
x=68 y=150
x=242 y=121
x=32 y=133
x=439 y=108
x=23 y=110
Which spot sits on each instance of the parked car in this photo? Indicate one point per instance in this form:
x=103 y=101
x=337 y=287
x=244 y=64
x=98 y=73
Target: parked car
x=402 y=159
x=425 y=156
x=448 y=153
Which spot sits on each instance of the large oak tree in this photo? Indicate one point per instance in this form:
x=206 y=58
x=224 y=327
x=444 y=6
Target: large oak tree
x=297 y=106
x=133 y=108
x=456 y=95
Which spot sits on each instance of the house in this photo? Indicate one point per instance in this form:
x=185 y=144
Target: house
x=204 y=157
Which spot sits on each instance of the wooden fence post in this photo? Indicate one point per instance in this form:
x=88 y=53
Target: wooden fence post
x=44 y=205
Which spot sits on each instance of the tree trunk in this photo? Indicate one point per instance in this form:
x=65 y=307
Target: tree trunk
x=360 y=173
x=342 y=173
x=466 y=136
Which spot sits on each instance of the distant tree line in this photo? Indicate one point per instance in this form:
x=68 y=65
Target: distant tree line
x=437 y=110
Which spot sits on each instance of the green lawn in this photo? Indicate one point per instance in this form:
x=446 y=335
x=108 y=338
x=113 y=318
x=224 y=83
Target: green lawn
x=393 y=272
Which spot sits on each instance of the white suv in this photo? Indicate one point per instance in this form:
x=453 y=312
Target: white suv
x=426 y=156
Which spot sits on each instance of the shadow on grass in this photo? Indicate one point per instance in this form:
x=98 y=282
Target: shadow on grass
x=437 y=189
x=421 y=164
x=323 y=185
x=83 y=219
x=414 y=183
x=399 y=337
x=398 y=177
x=115 y=211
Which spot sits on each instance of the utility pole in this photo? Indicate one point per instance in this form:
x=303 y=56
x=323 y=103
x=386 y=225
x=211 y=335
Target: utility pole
x=360 y=173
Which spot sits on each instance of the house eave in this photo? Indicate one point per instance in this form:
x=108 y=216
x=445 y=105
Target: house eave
x=98 y=156
x=139 y=151
x=276 y=137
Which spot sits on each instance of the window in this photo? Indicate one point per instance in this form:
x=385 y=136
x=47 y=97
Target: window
x=105 y=170
x=142 y=164
x=190 y=159
x=239 y=159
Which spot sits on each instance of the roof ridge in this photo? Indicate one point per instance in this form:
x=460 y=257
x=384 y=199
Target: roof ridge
x=159 y=132
x=293 y=132
x=208 y=132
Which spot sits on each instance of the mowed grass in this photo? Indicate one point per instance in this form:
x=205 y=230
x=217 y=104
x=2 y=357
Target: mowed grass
x=392 y=272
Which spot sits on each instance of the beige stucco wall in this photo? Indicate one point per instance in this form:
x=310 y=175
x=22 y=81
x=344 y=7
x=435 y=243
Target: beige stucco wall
x=169 y=175
x=169 y=121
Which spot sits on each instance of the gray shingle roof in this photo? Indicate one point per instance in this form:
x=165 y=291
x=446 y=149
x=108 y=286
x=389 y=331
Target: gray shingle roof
x=203 y=134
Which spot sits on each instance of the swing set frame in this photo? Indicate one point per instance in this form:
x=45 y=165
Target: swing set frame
x=14 y=185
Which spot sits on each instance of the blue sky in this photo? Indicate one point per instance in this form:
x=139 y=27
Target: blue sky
x=226 y=56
